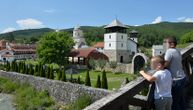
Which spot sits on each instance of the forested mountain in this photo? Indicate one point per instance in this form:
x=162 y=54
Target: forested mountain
x=148 y=34
x=25 y=36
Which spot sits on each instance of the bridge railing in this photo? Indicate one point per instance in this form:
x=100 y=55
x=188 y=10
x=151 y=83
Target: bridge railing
x=127 y=95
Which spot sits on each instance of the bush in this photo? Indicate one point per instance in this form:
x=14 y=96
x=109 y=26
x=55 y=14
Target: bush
x=80 y=103
x=26 y=97
x=104 y=83
x=87 y=79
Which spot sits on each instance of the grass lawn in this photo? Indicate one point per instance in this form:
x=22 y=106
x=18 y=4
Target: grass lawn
x=114 y=80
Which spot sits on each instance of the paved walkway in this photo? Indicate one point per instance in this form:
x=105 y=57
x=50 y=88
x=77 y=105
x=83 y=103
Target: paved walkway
x=6 y=102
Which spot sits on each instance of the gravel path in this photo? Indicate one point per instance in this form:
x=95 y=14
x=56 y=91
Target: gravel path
x=6 y=102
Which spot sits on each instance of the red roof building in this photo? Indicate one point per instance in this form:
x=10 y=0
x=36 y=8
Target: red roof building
x=84 y=54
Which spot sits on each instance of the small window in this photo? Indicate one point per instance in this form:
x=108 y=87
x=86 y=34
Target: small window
x=121 y=45
x=109 y=44
x=122 y=37
x=109 y=36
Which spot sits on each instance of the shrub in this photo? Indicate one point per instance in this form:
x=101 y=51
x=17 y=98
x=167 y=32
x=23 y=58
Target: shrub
x=104 y=83
x=78 y=80
x=98 y=84
x=87 y=79
x=127 y=80
x=8 y=66
x=80 y=103
x=51 y=73
x=63 y=75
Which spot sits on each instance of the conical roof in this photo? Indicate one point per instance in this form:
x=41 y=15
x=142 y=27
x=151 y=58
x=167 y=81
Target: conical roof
x=115 y=23
x=77 y=27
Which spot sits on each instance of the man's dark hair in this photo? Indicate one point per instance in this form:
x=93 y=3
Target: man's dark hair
x=172 y=40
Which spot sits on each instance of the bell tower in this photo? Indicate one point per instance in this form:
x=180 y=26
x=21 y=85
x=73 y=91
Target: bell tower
x=115 y=41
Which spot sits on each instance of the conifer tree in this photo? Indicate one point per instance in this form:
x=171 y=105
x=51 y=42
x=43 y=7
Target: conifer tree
x=51 y=73
x=36 y=70
x=23 y=68
x=104 y=83
x=13 y=66
x=8 y=66
x=31 y=70
x=48 y=72
x=26 y=69
x=78 y=80
x=20 y=66
x=87 y=79
x=126 y=80
x=60 y=74
x=16 y=67
x=98 y=84
x=63 y=75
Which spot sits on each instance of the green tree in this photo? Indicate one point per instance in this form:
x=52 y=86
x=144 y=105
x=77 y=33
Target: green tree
x=101 y=63
x=23 y=68
x=63 y=75
x=126 y=80
x=187 y=38
x=26 y=69
x=113 y=65
x=98 y=84
x=36 y=70
x=60 y=74
x=54 y=47
x=48 y=72
x=31 y=70
x=92 y=63
x=51 y=73
x=8 y=66
x=104 y=83
x=87 y=79
x=79 y=80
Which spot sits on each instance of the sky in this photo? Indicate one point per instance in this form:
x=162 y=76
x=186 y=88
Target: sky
x=63 y=14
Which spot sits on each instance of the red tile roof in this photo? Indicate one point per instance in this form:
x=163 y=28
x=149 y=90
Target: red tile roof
x=99 y=45
x=81 y=52
x=88 y=53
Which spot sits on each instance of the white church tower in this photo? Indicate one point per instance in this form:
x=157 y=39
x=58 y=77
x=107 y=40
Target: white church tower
x=116 y=42
x=78 y=37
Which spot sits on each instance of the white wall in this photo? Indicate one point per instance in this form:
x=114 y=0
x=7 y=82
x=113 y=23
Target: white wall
x=116 y=40
x=132 y=46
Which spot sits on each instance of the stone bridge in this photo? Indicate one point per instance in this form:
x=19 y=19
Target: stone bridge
x=128 y=95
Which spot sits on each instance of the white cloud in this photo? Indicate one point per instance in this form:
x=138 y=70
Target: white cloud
x=157 y=20
x=185 y=19
x=10 y=29
x=50 y=11
x=29 y=23
x=181 y=18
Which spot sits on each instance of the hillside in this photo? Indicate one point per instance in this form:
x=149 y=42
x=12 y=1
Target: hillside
x=24 y=36
x=148 y=34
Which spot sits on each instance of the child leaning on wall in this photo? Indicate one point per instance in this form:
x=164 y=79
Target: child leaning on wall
x=163 y=83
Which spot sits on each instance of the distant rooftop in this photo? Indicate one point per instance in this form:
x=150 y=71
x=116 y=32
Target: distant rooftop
x=133 y=31
x=115 y=23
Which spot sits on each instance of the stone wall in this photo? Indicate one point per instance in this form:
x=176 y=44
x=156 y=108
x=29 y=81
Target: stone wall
x=63 y=92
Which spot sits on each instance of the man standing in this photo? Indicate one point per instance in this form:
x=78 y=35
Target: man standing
x=173 y=62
